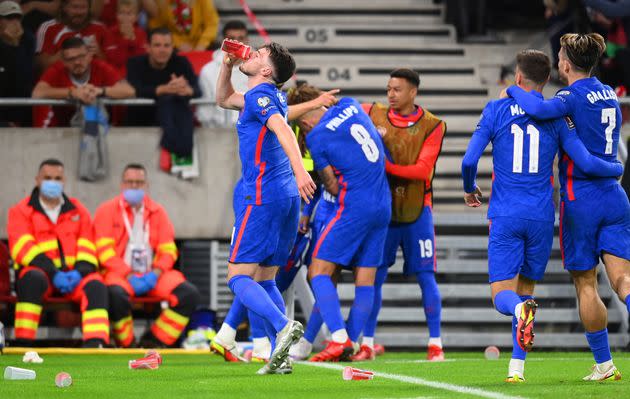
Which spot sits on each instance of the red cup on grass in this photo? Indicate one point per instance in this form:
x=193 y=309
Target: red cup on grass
x=146 y=363
x=351 y=373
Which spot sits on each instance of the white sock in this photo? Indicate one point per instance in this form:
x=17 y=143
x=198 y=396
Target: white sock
x=262 y=348
x=517 y=310
x=517 y=366
x=226 y=334
x=368 y=341
x=435 y=341
x=340 y=336
x=605 y=366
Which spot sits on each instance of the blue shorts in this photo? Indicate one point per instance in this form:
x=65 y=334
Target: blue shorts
x=323 y=213
x=353 y=239
x=265 y=234
x=593 y=224
x=417 y=240
x=518 y=246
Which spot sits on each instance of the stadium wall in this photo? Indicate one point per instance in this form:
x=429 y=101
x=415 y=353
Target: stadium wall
x=198 y=209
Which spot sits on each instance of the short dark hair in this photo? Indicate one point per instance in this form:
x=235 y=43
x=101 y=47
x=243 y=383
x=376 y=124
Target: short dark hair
x=137 y=166
x=162 y=30
x=583 y=50
x=534 y=65
x=233 y=24
x=72 y=42
x=282 y=61
x=50 y=162
x=409 y=75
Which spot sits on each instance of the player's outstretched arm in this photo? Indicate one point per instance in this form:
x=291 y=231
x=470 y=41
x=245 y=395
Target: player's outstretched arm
x=584 y=160
x=325 y=99
x=226 y=96
x=538 y=107
x=278 y=125
x=476 y=146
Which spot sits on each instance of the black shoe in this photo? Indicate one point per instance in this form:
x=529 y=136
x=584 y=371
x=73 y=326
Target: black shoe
x=150 y=341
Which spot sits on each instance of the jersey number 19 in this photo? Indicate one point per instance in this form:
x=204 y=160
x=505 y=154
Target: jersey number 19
x=534 y=140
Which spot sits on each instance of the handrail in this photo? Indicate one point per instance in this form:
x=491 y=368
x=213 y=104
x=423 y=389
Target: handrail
x=19 y=101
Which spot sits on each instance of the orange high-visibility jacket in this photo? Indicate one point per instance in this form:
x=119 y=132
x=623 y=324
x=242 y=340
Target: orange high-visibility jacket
x=34 y=240
x=111 y=235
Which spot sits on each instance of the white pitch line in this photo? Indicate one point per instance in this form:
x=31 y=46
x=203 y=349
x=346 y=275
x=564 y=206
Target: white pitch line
x=421 y=381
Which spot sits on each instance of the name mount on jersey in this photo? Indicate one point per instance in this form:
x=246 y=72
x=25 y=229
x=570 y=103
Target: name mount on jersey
x=344 y=115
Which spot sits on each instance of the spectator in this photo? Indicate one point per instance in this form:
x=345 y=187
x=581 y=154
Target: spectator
x=36 y=12
x=17 y=48
x=74 y=20
x=77 y=77
x=51 y=240
x=193 y=23
x=170 y=80
x=128 y=40
x=135 y=245
x=106 y=10
x=213 y=115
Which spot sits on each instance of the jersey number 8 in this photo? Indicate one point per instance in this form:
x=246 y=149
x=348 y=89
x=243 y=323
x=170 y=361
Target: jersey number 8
x=362 y=136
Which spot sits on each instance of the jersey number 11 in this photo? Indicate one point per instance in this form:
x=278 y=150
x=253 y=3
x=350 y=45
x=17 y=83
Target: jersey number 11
x=534 y=139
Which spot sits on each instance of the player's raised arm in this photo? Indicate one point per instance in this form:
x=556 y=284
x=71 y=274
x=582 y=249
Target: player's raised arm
x=540 y=108
x=278 y=125
x=326 y=99
x=584 y=160
x=476 y=146
x=226 y=96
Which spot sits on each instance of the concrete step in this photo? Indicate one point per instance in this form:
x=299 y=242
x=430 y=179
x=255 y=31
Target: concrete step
x=411 y=291
x=415 y=314
x=360 y=36
x=366 y=78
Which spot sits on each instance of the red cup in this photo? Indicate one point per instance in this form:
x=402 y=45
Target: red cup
x=147 y=363
x=350 y=373
x=236 y=48
x=153 y=354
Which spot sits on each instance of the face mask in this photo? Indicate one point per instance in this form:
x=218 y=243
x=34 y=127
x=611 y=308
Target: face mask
x=51 y=188
x=133 y=196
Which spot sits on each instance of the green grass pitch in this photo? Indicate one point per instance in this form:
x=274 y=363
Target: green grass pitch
x=398 y=375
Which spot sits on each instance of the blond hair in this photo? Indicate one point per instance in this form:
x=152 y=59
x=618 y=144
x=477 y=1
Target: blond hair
x=583 y=50
x=302 y=94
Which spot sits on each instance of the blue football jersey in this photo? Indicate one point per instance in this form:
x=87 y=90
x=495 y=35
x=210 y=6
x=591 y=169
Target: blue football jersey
x=594 y=108
x=346 y=139
x=523 y=151
x=266 y=171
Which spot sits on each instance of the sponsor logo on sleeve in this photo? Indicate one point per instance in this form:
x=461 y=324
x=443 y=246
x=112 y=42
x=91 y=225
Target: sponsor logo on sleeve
x=263 y=101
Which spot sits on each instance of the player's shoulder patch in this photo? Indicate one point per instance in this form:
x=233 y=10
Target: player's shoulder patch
x=569 y=122
x=563 y=94
x=263 y=101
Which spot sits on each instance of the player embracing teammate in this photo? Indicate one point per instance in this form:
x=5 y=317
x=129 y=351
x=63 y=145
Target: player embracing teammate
x=594 y=211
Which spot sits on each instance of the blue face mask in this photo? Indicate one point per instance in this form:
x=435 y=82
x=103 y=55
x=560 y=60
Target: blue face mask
x=51 y=188
x=133 y=196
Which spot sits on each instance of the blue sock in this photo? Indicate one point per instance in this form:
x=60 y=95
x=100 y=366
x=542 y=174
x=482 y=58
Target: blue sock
x=370 y=325
x=328 y=301
x=256 y=325
x=236 y=314
x=432 y=302
x=275 y=295
x=598 y=341
x=628 y=303
x=256 y=299
x=517 y=352
x=360 y=311
x=505 y=302
x=314 y=324
x=285 y=277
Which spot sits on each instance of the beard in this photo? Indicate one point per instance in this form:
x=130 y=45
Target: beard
x=245 y=72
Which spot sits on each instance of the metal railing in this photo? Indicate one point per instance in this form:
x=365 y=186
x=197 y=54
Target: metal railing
x=18 y=101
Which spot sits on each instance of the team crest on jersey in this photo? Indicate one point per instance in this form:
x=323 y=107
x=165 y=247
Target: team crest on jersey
x=382 y=131
x=570 y=123
x=263 y=101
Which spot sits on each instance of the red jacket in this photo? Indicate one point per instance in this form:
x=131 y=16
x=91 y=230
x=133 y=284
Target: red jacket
x=121 y=49
x=34 y=240
x=111 y=235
